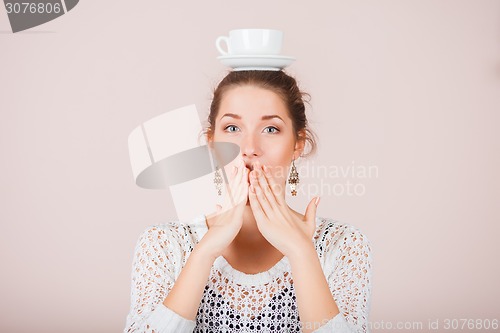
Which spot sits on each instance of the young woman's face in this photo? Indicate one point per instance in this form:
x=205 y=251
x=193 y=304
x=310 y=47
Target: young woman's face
x=257 y=120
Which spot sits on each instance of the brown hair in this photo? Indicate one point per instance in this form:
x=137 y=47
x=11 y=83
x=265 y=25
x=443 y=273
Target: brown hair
x=280 y=83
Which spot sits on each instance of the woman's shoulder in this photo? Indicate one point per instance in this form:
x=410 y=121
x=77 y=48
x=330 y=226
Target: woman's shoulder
x=332 y=234
x=183 y=233
x=342 y=245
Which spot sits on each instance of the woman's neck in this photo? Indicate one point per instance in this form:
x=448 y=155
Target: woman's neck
x=249 y=233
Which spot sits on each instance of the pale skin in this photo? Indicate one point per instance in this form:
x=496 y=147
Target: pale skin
x=255 y=233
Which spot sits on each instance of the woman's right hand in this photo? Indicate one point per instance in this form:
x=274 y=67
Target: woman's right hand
x=226 y=222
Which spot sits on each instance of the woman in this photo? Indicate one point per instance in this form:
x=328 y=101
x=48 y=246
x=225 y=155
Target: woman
x=257 y=265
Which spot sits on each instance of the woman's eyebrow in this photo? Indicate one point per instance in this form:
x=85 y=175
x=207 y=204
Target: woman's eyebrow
x=271 y=117
x=232 y=115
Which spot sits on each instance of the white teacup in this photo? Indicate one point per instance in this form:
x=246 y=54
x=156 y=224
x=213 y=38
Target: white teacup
x=251 y=42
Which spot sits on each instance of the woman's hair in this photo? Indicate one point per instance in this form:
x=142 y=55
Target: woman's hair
x=278 y=82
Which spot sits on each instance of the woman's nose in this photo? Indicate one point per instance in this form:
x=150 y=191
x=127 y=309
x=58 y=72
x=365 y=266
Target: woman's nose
x=250 y=146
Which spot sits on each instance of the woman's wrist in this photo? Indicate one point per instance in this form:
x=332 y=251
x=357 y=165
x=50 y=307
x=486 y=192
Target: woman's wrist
x=301 y=251
x=206 y=248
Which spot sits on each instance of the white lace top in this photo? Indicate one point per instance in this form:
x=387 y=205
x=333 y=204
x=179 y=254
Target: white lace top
x=237 y=302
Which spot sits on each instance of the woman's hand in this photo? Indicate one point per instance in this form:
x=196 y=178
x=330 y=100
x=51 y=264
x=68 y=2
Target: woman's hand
x=226 y=222
x=276 y=221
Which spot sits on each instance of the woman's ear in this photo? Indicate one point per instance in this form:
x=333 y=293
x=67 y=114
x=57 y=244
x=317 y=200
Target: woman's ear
x=299 y=144
x=209 y=135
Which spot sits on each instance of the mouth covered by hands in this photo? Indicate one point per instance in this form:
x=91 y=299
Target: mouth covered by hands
x=276 y=221
x=254 y=185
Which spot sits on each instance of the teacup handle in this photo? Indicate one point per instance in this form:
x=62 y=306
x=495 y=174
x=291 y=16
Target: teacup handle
x=219 y=48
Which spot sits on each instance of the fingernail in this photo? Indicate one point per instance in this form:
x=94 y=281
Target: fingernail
x=317 y=201
x=266 y=169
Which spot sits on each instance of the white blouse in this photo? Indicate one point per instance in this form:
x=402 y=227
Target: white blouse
x=234 y=301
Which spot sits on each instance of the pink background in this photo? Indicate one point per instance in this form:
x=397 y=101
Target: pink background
x=411 y=87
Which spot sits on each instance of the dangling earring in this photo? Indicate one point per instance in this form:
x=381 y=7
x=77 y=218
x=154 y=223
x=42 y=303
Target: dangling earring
x=218 y=181
x=293 y=179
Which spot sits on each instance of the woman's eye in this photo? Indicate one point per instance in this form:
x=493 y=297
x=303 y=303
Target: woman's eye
x=275 y=130
x=228 y=128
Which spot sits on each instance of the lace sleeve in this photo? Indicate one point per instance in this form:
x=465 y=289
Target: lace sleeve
x=350 y=281
x=153 y=276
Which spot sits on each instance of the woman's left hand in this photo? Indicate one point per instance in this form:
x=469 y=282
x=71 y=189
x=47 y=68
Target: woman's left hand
x=276 y=221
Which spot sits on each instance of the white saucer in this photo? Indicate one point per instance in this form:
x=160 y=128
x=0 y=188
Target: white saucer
x=256 y=62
